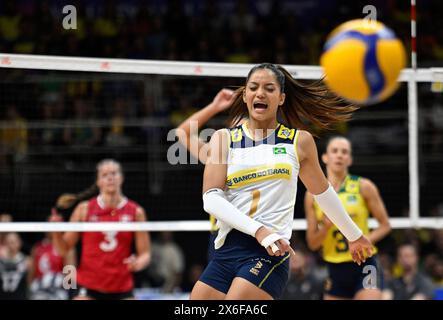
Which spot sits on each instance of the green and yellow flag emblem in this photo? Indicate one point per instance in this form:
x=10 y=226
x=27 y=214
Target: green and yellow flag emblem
x=279 y=150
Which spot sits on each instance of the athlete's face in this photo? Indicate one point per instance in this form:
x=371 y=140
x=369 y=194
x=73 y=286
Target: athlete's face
x=13 y=243
x=109 y=178
x=263 y=95
x=407 y=257
x=338 y=157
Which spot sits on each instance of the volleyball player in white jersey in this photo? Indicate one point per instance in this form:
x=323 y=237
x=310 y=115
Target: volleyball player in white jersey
x=250 y=184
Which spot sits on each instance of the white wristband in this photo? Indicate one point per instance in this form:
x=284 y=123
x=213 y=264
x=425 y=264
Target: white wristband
x=270 y=241
x=331 y=205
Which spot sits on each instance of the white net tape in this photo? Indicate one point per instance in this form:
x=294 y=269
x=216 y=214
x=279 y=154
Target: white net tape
x=188 y=68
x=298 y=224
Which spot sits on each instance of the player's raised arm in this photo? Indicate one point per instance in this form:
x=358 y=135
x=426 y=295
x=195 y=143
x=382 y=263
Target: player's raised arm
x=190 y=138
x=64 y=242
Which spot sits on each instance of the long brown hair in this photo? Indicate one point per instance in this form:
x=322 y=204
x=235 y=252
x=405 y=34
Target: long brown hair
x=306 y=104
x=68 y=200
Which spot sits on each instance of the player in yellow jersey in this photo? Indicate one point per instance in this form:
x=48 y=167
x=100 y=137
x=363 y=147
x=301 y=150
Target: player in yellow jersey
x=360 y=198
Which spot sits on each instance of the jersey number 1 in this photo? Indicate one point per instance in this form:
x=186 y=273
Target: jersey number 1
x=254 y=203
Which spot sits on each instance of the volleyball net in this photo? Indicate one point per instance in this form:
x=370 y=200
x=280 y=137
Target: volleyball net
x=63 y=114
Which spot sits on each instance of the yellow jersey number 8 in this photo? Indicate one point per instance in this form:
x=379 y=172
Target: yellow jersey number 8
x=342 y=243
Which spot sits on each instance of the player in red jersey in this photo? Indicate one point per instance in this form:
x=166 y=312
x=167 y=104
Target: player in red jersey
x=106 y=261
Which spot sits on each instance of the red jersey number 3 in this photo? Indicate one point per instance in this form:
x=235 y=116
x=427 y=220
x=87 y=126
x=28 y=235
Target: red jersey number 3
x=110 y=241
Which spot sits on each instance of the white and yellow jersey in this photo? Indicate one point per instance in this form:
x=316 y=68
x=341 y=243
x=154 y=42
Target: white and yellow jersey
x=262 y=179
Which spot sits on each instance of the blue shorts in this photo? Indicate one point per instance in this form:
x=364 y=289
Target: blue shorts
x=347 y=278
x=242 y=256
x=211 y=249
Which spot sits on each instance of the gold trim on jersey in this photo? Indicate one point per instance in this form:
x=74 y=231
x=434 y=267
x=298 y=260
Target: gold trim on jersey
x=297 y=134
x=229 y=138
x=257 y=174
x=248 y=133
x=246 y=130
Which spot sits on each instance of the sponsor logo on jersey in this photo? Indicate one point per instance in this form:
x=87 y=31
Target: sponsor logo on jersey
x=257 y=174
x=256 y=269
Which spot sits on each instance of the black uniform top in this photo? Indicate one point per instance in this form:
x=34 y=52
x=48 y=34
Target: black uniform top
x=13 y=276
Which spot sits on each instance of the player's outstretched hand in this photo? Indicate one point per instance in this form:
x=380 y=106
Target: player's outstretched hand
x=360 y=249
x=136 y=264
x=55 y=216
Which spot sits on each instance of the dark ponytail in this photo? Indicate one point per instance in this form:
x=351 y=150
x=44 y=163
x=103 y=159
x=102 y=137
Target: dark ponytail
x=306 y=104
x=68 y=200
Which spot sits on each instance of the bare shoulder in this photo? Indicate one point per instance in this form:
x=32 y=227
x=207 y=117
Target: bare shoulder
x=140 y=214
x=367 y=187
x=80 y=212
x=305 y=144
x=220 y=134
x=219 y=144
x=83 y=205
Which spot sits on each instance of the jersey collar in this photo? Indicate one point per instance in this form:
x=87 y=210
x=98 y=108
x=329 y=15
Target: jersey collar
x=245 y=128
x=343 y=184
x=101 y=203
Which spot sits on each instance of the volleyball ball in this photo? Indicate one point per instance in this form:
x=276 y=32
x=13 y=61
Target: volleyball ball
x=362 y=60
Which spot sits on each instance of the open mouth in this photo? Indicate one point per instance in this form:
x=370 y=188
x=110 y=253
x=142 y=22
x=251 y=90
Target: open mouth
x=260 y=105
